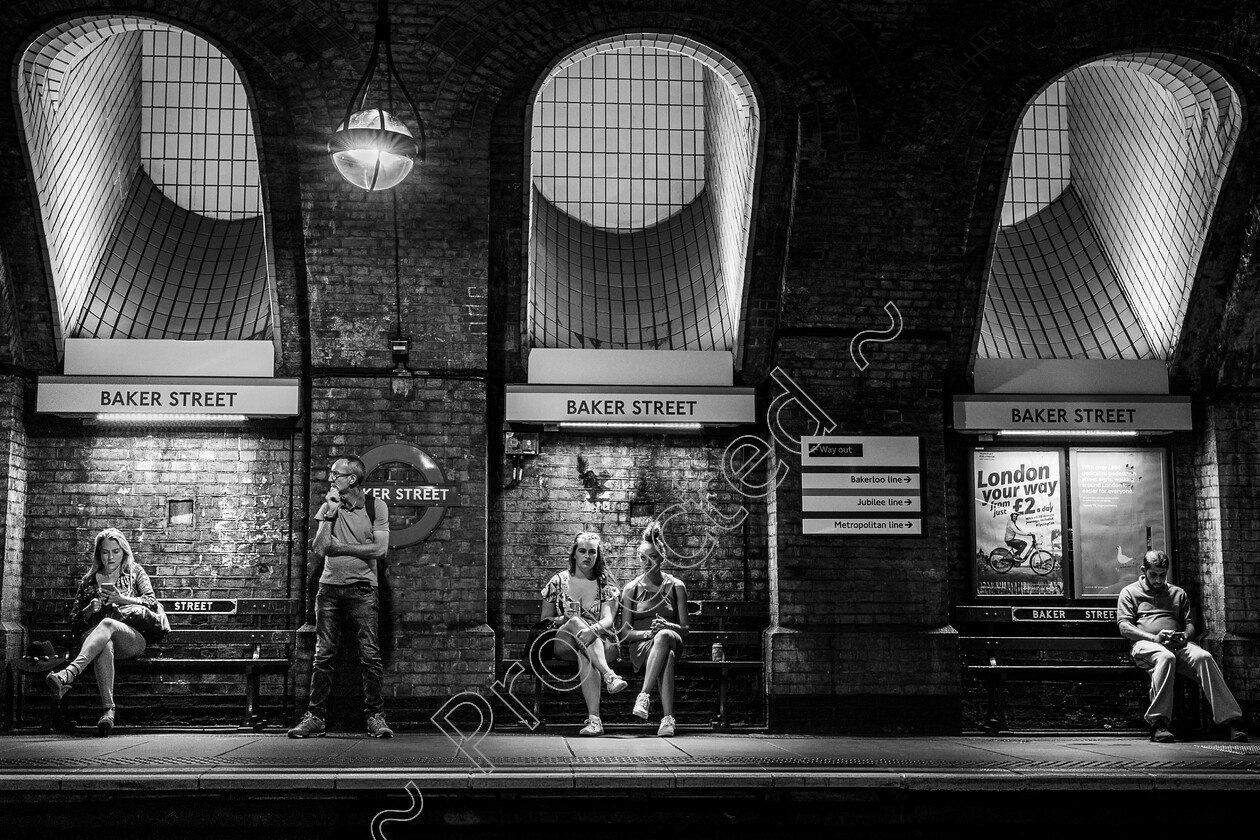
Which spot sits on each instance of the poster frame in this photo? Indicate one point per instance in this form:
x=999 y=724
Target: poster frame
x=1076 y=560
x=1065 y=566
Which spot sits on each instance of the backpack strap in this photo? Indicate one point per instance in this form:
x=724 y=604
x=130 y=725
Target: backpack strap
x=370 y=503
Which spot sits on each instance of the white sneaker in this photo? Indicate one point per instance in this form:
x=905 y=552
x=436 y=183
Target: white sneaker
x=614 y=682
x=594 y=726
x=667 y=727
x=641 y=704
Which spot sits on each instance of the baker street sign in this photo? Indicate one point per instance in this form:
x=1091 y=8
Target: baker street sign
x=414 y=486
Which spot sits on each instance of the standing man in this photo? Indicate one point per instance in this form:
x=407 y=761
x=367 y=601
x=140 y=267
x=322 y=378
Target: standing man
x=1156 y=617
x=350 y=541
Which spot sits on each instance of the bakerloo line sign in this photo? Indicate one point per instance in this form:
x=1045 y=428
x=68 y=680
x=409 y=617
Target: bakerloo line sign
x=422 y=504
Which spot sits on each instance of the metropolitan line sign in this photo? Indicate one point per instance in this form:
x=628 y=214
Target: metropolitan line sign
x=861 y=485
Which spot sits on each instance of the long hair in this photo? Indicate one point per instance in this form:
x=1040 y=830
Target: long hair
x=598 y=569
x=97 y=565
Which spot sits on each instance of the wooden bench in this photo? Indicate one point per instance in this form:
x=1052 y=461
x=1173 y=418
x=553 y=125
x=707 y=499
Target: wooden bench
x=709 y=623
x=1041 y=643
x=198 y=623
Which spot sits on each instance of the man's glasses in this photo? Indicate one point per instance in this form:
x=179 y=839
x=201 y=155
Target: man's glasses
x=341 y=475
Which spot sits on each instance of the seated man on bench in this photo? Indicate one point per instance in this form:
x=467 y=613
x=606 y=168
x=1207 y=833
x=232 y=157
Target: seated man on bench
x=1156 y=617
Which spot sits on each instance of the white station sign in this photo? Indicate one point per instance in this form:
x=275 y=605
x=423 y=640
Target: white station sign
x=1055 y=412
x=629 y=404
x=92 y=395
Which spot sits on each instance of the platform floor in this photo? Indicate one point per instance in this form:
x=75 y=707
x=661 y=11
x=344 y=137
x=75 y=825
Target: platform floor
x=212 y=783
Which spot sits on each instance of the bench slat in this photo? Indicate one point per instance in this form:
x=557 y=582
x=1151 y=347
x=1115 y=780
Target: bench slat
x=999 y=643
x=202 y=666
x=229 y=637
x=1059 y=670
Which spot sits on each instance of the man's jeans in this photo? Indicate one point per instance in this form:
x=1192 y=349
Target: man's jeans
x=333 y=604
x=1191 y=661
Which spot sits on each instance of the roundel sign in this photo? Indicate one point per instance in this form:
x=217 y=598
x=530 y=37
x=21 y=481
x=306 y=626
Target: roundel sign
x=407 y=479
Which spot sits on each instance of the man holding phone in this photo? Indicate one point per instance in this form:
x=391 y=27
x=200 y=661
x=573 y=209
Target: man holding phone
x=351 y=541
x=1156 y=616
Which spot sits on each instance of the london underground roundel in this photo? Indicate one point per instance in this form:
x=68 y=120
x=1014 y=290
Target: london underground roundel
x=407 y=479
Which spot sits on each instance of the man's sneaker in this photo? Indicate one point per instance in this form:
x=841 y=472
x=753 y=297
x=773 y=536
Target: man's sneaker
x=667 y=727
x=1236 y=734
x=641 y=704
x=614 y=682
x=378 y=728
x=58 y=683
x=1161 y=735
x=309 y=727
x=594 y=726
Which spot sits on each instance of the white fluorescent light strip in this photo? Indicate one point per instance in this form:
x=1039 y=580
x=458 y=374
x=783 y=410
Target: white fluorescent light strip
x=170 y=418
x=1065 y=433
x=677 y=427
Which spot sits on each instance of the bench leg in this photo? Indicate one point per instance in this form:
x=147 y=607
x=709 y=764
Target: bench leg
x=251 y=698
x=723 y=722
x=995 y=721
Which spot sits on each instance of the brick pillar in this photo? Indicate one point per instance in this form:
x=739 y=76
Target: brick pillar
x=860 y=638
x=1220 y=548
x=12 y=525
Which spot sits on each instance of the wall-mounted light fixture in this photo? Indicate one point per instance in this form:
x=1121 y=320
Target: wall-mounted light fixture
x=171 y=419
x=1066 y=433
x=629 y=427
x=372 y=148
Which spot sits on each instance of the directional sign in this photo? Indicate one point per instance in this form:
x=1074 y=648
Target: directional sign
x=861 y=485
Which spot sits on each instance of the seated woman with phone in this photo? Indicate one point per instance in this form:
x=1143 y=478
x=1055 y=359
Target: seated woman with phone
x=117 y=614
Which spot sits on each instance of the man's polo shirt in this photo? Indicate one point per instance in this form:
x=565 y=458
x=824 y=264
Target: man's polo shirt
x=352 y=525
x=1154 y=611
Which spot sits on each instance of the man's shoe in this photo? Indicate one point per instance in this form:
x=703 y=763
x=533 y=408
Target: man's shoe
x=106 y=724
x=1236 y=734
x=667 y=727
x=614 y=682
x=378 y=728
x=58 y=683
x=309 y=727
x=594 y=726
x=1161 y=735
x=641 y=704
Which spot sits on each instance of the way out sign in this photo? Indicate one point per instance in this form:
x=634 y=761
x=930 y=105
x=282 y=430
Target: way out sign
x=412 y=483
x=861 y=485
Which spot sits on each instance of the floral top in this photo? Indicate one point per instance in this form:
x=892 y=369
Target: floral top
x=133 y=582
x=557 y=592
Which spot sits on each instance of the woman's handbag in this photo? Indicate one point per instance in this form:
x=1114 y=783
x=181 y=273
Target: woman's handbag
x=538 y=642
x=152 y=624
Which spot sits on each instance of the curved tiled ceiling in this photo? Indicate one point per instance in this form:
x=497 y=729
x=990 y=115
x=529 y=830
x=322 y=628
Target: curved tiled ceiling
x=141 y=141
x=203 y=278
x=644 y=149
x=1114 y=175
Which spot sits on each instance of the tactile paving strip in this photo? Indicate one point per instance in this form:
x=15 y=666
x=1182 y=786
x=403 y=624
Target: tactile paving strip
x=1252 y=764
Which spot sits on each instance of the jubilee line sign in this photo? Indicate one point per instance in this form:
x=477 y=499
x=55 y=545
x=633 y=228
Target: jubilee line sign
x=861 y=485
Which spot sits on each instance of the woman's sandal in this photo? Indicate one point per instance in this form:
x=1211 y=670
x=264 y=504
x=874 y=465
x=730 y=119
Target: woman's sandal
x=106 y=723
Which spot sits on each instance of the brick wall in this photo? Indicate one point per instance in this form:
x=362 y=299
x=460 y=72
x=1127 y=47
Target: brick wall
x=887 y=128
x=241 y=543
x=631 y=481
x=434 y=637
x=13 y=489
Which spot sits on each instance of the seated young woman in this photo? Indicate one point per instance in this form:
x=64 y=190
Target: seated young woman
x=654 y=624
x=114 y=581
x=581 y=603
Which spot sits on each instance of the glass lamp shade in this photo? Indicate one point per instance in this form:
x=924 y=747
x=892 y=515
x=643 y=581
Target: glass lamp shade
x=374 y=151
